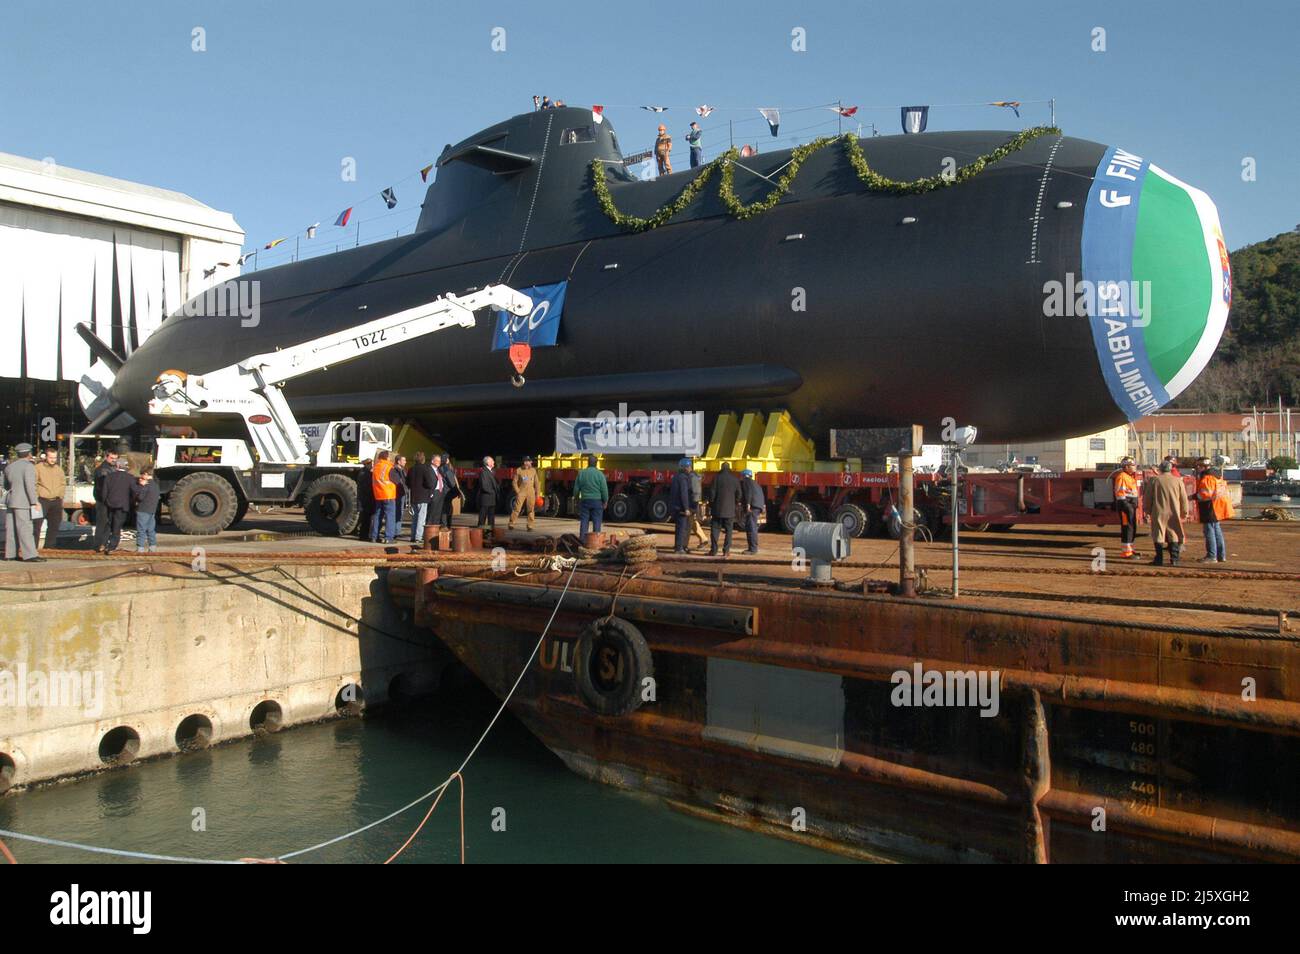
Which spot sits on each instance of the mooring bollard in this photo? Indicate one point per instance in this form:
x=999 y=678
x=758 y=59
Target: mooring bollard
x=460 y=540
x=594 y=540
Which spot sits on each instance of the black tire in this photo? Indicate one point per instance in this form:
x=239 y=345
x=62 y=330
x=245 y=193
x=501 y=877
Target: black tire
x=852 y=518
x=203 y=503
x=555 y=503
x=1001 y=527
x=658 y=510
x=795 y=513
x=976 y=527
x=333 y=505
x=622 y=508
x=610 y=662
x=241 y=511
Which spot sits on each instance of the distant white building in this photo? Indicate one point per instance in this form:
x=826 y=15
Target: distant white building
x=80 y=247
x=1075 y=453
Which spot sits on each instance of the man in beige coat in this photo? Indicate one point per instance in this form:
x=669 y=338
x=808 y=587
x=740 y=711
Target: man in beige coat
x=1164 y=498
x=50 y=484
x=525 y=485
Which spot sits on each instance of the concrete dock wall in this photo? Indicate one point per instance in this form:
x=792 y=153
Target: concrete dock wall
x=101 y=666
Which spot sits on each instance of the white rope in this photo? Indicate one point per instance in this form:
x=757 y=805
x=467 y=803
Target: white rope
x=570 y=564
x=146 y=856
x=759 y=174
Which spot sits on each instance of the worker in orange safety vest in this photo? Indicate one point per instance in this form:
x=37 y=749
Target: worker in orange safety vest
x=1212 y=507
x=385 y=491
x=1125 y=485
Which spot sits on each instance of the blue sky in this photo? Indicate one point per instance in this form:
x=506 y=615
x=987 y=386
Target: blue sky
x=259 y=123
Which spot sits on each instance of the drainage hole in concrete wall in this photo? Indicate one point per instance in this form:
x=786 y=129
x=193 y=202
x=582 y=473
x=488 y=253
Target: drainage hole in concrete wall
x=119 y=745
x=350 y=700
x=7 y=770
x=267 y=717
x=194 y=733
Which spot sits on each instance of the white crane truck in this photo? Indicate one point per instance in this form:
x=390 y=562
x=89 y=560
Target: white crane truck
x=209 y=483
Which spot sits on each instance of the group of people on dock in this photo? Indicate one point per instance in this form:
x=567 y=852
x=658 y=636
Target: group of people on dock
x=34 y=491
x=1166 y=504
x=432 y=494
x=730 y=499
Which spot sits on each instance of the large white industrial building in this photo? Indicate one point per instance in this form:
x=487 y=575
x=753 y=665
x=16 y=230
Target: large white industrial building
x=80 y=247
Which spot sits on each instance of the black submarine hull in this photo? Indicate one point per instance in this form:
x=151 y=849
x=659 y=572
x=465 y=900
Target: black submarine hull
x=848 y=307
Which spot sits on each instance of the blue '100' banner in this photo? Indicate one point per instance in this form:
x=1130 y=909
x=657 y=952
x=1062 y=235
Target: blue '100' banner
x=540 y=327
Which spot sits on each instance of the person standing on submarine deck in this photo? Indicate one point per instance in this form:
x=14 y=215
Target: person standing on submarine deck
x=693 y=139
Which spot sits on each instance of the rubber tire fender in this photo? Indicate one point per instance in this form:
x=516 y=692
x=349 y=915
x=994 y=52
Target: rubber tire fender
x=596 y=640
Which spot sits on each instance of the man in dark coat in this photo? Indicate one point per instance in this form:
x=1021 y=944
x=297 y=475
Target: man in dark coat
x=438 y=491
x=420 y=481
x=487 y=494
x=724 y=504
x=119 y=493
x=751 y=495
x=453 y=494
x=398 y=476
x=680 y=504
x=106 y=467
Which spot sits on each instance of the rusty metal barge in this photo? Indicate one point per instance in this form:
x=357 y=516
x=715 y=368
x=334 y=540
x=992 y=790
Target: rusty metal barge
x=1134 y=716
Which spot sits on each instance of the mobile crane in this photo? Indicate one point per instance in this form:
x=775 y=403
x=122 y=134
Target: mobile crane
x=209 y=483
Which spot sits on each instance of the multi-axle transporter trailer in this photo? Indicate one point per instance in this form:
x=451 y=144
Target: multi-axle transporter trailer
x=798 y=487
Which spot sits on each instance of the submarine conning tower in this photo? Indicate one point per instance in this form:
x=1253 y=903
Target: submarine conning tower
x=504 y=188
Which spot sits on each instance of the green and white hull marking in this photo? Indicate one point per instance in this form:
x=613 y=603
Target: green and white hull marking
x=1157 y=266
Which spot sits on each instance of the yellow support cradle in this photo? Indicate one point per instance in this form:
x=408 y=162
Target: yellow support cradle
x=772 y=444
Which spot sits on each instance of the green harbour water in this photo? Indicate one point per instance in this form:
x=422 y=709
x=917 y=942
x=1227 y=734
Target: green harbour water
x=275 y=794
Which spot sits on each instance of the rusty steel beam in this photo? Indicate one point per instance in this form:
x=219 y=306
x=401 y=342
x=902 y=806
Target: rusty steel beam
x=1203 y=832
x=868 y=768
x=795 y=651
x=719 y=617
x=1249 y=840
x=1213 y=708
x=1036 y=772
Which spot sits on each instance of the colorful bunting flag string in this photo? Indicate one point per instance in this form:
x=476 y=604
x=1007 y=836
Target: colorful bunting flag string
x=914 y=120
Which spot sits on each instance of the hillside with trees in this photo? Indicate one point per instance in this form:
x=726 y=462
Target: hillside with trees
x=1259 y=357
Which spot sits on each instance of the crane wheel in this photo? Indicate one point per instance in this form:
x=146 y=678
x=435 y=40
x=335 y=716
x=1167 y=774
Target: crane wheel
x=333 y=505
x=611 y=662
x=202 y=504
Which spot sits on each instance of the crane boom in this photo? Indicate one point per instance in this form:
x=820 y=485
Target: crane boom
x=252 y=387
